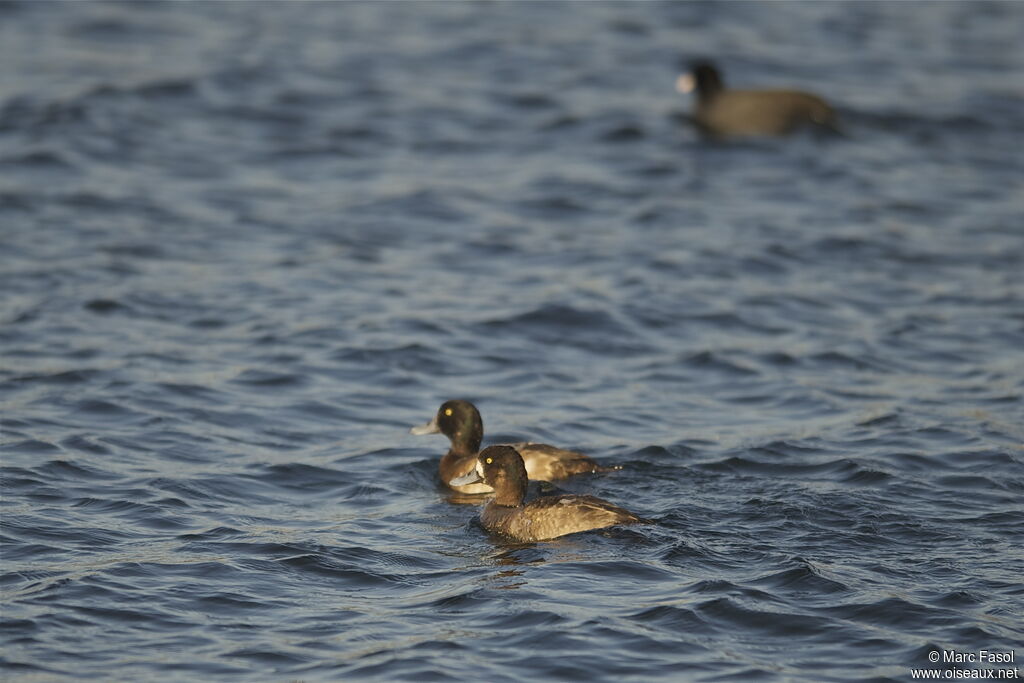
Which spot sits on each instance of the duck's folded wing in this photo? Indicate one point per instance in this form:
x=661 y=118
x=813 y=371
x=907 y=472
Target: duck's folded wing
x=552 y=516
x=601 y=510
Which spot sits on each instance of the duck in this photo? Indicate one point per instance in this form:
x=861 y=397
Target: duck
x=722 y=112
x=541 y=519
x=460 y=421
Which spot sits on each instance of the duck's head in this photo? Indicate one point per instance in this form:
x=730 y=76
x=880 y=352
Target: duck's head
x=501 y=468
x=458 y=420
x=701 y=76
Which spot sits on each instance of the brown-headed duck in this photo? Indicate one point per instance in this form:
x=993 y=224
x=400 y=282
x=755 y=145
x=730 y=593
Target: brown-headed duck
x=460 y=421
x=723 y=112
x=502 y=468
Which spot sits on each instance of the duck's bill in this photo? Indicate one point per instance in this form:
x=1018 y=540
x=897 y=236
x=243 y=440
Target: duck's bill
x=428 y=428
x=471 y=477
x=685 y=84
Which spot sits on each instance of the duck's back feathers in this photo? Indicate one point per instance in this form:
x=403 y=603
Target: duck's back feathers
x=553 y=516
x=762 y=112
x=548 y=463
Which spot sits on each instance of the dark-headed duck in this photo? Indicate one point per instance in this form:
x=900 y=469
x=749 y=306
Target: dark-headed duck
x=724 y=112
x=460 y=421
x=502 y=468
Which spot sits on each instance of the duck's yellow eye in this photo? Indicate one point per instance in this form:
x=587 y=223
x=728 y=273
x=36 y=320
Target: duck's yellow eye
x=448 y=412
x=490 y=460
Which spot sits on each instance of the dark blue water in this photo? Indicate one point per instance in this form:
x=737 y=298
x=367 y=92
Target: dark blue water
x=244 y=247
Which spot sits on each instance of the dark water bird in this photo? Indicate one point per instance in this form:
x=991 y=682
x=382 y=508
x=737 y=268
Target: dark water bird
x=723 y=112
x=460 y=421
x=502 y=468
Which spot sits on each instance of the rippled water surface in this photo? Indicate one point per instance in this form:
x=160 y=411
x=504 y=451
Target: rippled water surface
x=244 y=247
